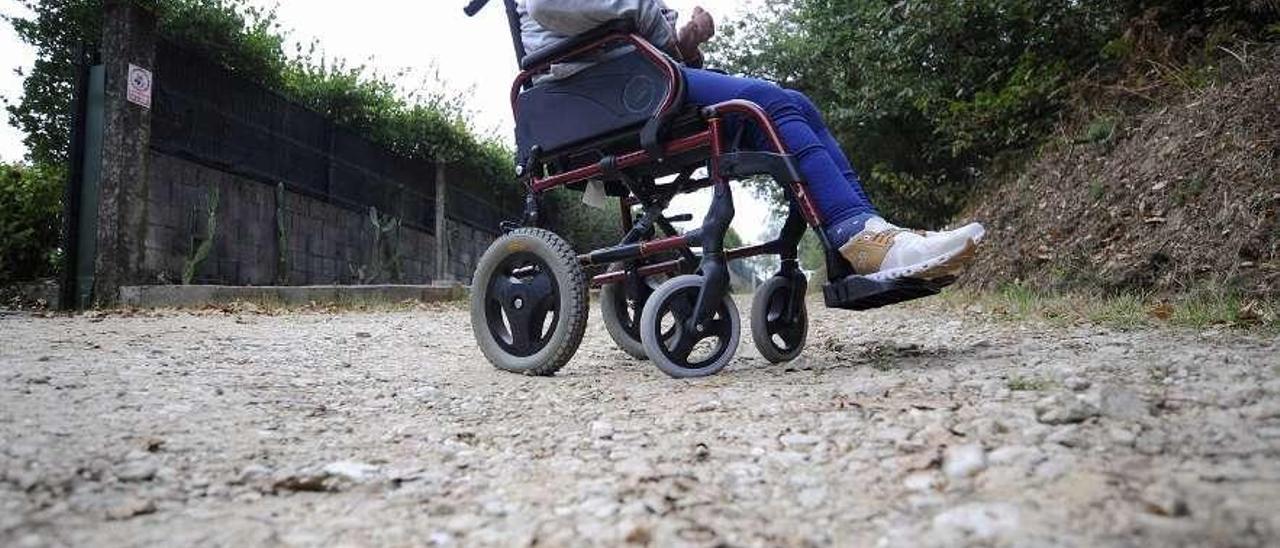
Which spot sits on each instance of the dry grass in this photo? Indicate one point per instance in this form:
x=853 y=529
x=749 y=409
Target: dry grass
x=1207 y=307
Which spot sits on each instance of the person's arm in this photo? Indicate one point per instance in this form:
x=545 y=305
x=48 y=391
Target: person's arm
x=653 y=19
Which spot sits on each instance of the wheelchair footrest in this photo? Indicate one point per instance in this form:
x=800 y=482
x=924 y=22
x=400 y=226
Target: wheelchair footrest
x=859 y=293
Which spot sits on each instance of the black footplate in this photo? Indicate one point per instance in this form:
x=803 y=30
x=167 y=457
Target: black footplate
x=859 y=293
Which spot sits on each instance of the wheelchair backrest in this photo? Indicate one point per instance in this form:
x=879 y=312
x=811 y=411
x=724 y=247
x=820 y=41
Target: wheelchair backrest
x=615 y=94
x=621 y=89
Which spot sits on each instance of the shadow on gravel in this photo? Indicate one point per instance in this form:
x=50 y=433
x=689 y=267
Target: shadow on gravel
x=832 y=354
x=887 y=355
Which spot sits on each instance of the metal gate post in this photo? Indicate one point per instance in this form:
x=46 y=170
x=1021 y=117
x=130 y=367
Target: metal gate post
x=71 y=196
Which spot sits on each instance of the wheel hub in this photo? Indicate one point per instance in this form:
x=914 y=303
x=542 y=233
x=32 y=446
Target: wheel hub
x=675 y=339
x=686 y=335
x=523 y=307
x=779 y=320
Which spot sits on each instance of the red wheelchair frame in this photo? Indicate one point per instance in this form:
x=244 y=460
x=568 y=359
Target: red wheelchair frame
x=700 y=305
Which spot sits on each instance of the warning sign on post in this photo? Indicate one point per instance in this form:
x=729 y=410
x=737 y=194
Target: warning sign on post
x=140 y=86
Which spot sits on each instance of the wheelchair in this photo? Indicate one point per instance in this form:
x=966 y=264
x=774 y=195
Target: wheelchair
x=622 y=126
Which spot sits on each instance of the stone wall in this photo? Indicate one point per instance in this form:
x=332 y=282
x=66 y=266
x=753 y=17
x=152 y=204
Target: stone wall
x=324 y=243
x=466 y=245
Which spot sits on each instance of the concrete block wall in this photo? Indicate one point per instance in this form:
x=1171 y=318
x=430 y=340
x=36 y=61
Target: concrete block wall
x=466 y=245
x=325 y=243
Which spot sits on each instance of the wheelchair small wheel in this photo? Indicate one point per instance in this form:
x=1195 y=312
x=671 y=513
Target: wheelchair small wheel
x=672 y=346
x=529 y=303
x=621 y=309
x=779 y=338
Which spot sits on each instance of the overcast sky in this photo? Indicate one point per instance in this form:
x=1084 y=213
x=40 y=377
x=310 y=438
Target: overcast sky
x=14 y=55
x=473 y=55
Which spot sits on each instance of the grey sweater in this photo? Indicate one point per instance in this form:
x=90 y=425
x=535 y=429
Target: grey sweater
x=546 y=22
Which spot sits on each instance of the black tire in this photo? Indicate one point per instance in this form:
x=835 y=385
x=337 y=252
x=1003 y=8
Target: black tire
x=779 y=339
x=529 y=303
x=675 y=300
x=621 y=314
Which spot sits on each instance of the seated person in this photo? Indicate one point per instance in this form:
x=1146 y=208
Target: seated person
x=874 y=247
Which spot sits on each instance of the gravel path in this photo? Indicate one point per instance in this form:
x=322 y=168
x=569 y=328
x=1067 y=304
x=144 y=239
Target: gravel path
x=910 y=426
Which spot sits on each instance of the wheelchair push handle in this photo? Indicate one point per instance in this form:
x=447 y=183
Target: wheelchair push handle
x=513 y=22
x=474 y=7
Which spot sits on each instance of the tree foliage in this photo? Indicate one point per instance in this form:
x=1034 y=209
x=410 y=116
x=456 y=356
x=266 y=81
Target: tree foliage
x=43 y=110
x=228 y=31
x=925 y=95
x=30 y=221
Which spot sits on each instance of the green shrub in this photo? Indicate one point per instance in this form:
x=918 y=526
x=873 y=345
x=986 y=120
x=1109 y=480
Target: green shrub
x=1097 y=189
x=30 y=222
x=1101 y=130
x=583 y=226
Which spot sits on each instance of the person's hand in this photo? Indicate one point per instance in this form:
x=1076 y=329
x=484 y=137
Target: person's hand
x=700 y=28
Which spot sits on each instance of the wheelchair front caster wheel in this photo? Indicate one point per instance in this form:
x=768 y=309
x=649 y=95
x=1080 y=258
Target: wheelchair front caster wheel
x=679 y=349
x=622 y=305
x=780 y=320
x=529 y=303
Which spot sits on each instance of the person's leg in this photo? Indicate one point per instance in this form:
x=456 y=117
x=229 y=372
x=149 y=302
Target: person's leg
x=839 y=232
x=836 y=200
x=819 y=125
x=875 y=248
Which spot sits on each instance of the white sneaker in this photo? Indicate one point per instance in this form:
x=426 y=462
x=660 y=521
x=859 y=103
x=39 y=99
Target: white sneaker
x=884 y=252
x=973 y=231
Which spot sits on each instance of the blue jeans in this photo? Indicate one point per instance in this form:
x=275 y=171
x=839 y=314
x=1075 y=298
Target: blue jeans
x=834 y=185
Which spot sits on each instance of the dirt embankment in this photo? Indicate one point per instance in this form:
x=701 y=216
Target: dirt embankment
x=1183 y=195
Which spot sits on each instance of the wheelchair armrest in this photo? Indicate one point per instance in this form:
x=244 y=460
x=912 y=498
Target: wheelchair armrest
x=560 y=49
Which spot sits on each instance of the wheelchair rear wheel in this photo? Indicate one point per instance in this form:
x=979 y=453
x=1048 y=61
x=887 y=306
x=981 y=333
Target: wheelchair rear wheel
x=529 y=303
x=780 y=321
x=674 y=347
